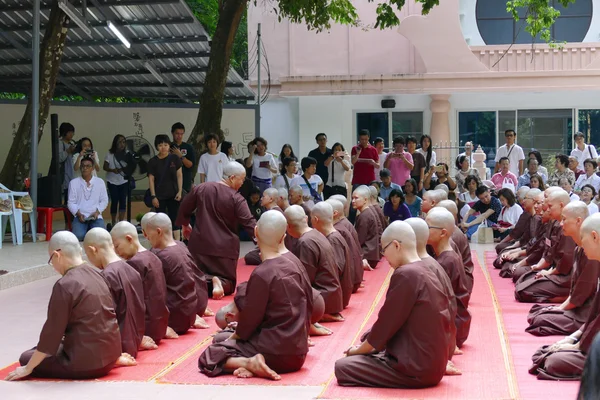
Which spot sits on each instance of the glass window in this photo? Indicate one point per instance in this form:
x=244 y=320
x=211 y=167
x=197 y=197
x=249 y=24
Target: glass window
x=589 y=124
x=407 y=123
x=497 y=26
x=479 y=127
x=376 y=123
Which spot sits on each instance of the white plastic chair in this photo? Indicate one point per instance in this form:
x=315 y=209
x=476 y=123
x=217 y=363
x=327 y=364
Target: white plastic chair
x=7 y=216
x=18 y=217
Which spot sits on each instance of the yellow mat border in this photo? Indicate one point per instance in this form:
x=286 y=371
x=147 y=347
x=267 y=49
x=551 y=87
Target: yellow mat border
x=513 y=386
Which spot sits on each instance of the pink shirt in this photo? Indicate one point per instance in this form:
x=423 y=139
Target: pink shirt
x=398 y=168
x=498 y=179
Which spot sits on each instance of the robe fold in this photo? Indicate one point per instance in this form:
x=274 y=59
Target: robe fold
x=369 y=230
x=343 y=261
x=520 y=233
x=347 y=230
x=460 y=244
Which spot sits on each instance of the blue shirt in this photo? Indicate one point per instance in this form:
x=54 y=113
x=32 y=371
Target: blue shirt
x=384 y=192
x=415 y=208
x=400 y=214
x=494 y=205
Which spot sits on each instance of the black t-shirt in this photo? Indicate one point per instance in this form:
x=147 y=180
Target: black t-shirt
x=322 y=170
x=188 y=173
x=165 y=184
x=494 y=204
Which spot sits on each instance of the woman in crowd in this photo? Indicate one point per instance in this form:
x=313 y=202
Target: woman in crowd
x=227 y=149
x=286 y=151
x=337 y=168
x=288 y=172
x=443 y=178
x=210 y=166
x=262 y=163
x=411 y=199
x=464 y=170
x=588 y=192
x=471 y=184
x=310 y=182
x=165 y=178
x=395 y=209
x=66 y=148
x=537 y=182
x=418 y=171
x=115 y=164
x=85 y=148
x=509 y=215
x=538 y=156
x=562 y=171
x=427 y=151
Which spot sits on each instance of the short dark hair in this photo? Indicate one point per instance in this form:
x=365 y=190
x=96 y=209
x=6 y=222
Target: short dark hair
x=159 y=139
x=506 y=132
x=470 y=178
x=364 y=132
x=460 y=160
x=261 y=140
x=307 y=162
x=481 y=190
x=590 y=161
x=399 y=140
x=65 y=128
x=177 y=125
x=396 y=193
x=211 y=136
x=503 y=158
x=385 y=173
x=579 y=135
x=589 y=187
x=412 y=182
x=529 y=160
x=378 y=140
x=79 y=146
x=286 y=162
x=563 y=159
x=564 y=179
x=87 y=158
x=508 y=195
x=375 y=182
x=319 y=135
x=411 y=139
x=336 y=144
x=225 y=146
x=537 y=155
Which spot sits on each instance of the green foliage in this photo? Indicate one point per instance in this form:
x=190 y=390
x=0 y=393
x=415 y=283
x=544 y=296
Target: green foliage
x=539 y=16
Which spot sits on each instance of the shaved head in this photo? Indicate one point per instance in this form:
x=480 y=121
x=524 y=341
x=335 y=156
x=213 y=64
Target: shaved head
x=283 y=193
x=421 y=230
x=271 y=192
x=271 y=228
x=576 y=209
x=295 y=216
x=443 y=188
x=336 y=206
x=373 y=192
x=162 y=221
x=591 y=224
x=533 y=193
x=323 y=211
x=559 y=195
x=340 y=198
x=66 y=242
x=122 y=229
x=296 y=190
x=147 y=217
x=448 y=205
x=441 y=218
x=436 y=195
x=552 y=189
x=362 y=191
x=522 y=192
x=233 y=168
x=590 y=236
x=98 y=237
x=230 y=310
x=401 y=232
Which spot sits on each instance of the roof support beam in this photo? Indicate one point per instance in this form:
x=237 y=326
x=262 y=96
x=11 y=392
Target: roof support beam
x=100 y=24
x=47 y=4
x=112 y=73
x=152 y=85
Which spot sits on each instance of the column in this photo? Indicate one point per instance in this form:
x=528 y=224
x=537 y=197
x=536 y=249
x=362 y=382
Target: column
x=440 y=127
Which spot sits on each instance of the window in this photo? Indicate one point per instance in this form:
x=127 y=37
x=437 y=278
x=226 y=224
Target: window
x=376 y=123
x=407 y=124
x=479 y=127
x=390 y=124
x=548 y=131
x=497 y=26
x=589 y=124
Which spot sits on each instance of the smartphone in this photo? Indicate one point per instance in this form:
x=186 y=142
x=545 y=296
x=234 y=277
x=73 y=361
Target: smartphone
x=439 y=168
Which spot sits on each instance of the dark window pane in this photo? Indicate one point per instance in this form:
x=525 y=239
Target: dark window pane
x=580 y=7
x=589 y=124
x=571 y=29
x=548 y=131
x=491 y=9
x=479 y=128
x=407 y=123
x=376 y=123
x=496 y=31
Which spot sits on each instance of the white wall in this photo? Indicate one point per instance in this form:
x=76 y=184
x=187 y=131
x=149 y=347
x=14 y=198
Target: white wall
x=279 y=124
x=102 y=123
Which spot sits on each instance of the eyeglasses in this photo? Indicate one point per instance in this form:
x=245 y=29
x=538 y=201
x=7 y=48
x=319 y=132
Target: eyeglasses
x=86 y=166
x=52 y=256
x=388 y=245
x=434 y=227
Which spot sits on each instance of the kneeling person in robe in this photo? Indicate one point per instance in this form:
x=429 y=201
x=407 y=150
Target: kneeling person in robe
x=407 y=346
x=271 y=336
x=80 y=339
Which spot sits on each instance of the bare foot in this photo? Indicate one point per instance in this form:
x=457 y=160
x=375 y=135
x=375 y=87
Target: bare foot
x=319 y=330
x=125 y=360
x=457 y=351
x=218 y=291
x=310 y=342
x=362 y=285
x=242 y=372
x=208 y=313
x=257 y=366
x=332 y=318
x=171 y=334
x=200 y=323
x=148 y=344
x=366 y=266
x=451 y=369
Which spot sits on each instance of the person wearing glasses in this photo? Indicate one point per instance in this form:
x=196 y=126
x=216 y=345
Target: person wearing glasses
x=87 y=199
x=513 y=152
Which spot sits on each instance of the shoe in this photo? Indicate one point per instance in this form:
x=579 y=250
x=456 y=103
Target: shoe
x=109 y=227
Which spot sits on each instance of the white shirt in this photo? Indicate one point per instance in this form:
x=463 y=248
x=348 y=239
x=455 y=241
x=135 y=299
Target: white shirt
x=433 y=161
x=260 y=172
x=382 y=158
x=315 y=181
x=337 y=173
x=583 y=180
x=87 y=198
x=96 y=162
x=511 y=214
x=113 y=163
x=211 y=165
x=585 y=154
x=515 y=156
x=592 y=208
x=573 y=197
x=280 y=182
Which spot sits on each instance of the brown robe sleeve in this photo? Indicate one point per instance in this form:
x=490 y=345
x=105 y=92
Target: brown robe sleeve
x=592 y=325
x=59 y=307
x=521 y=227
x=255 y=305
x=366 y=228
x=585 y=279
x=187 y=207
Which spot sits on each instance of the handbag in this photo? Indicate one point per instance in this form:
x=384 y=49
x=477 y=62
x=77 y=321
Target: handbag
x=483 y=235
x=148 y=194
x=509 y=184
x=315 y=195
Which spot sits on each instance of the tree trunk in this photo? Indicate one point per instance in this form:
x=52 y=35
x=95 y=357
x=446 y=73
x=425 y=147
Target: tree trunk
x=213 y=93
x=16 y=166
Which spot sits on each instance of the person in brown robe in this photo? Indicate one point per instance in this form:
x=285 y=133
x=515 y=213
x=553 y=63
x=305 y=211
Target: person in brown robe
x=322 y=221
x=317 y=256
x=346 y=229
x=565 y=359
x=144 y=222
x=80 y=338
x=441 y=224
x=520 y=231
x=126 y=287
x=214 y=241
x=187 y=292
x=368 y=227
x=573 y=312
x=297 y=199
x=421 y=230
x=269 y=202
x=460 y=243
x=407 y=347
x=377 y=208
x=271 y=335
x=549 y=280
x=148 y=265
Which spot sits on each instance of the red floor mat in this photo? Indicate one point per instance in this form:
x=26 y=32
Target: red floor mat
x=318 y=368
x=152 y=363
x=485 y=372
x=522 y=344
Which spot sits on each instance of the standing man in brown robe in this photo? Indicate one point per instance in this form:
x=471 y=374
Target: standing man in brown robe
x=148 y=265
x=215 y=243
x=322 y=221
x=80 y=339
x=271 y=335
x=315 y=252
x=346 y=229
x=408 y=344
x=187 y=293
x=269 y=202
x=549 y=280
x=368 y=227
x=565 y=359
x=573 y=312
x=441 y=224
x=126 y=287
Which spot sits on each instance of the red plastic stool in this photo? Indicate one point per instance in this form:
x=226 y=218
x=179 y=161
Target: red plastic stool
x=45 y=215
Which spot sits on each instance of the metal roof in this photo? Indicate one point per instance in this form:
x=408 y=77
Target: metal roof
x=164 y=33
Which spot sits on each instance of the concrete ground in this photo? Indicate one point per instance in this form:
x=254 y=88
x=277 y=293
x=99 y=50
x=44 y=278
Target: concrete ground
x=23 y=312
